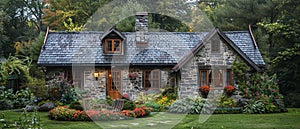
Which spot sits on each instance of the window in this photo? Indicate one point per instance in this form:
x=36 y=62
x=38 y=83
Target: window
x=204 y=77
x=229 y=77
x=151 y=79
x=78 y=78
x=116 y=80
x=215 y=44
x=113 y=46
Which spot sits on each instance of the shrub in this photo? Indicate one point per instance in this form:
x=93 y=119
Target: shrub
x=190 y=105
x=19 y=99
x=165 y=102
x=109 y=100
x=76 y=105
x=144 y=98
x=254 y=107
x=129 y=105
x=264 y=88
x=142 y=111
x=226 y=102
x=232 y=110
x=23 y=98
x=155 y=107
x=63 y=113
x=128 y=113
x=60 y=89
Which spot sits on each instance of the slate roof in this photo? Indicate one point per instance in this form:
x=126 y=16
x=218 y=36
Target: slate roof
x=164 y=48
x=244 y=41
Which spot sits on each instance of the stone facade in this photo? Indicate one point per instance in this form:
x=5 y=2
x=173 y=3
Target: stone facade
x=214 y=61
x=132 y=87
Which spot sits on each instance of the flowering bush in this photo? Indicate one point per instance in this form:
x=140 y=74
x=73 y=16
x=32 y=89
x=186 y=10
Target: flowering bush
x=142 y=111
x=65 y=114
x=128 y=113
x=229 y=90
x=62 y=113
x=204 y=89
x=265 y=89
x=138 y=112
x=165 y=101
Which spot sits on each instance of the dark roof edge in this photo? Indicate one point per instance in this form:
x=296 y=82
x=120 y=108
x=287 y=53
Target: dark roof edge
x=45 y=38
x=195 y=49
x=238 y=50
x=252 y=37
x=107 y=64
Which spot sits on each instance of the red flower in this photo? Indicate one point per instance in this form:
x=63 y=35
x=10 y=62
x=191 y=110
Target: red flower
x=229 y=89
x=204 y=89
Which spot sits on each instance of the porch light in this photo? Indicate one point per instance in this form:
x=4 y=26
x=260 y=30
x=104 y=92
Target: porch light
x=96 y=75
x=109 y=75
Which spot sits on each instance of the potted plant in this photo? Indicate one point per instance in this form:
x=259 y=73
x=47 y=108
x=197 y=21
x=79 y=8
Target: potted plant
x=229 y=90
x=204 y=91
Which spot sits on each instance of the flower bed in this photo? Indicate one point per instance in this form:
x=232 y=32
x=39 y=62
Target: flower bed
x=63 y=113
x=138 y=112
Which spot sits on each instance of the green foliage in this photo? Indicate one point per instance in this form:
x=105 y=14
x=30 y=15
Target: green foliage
x=6 y=98
x=129 y=105
x=261 y=85
x=69 y=96
x=226 y=102
x=60 y=89
x=76 y=105
x=26 y=121
x=10 y=100
x=190 y=105
x=155 y=107
x=292 y=100
x=144 y=98
x=254 y=107
x=109 y=100
x=233 y=110
x=15 y=66
x=240 y=70
x=264 y=88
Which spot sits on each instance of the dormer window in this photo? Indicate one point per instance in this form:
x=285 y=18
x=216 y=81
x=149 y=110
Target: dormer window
x=113 y=46
x=113 y=42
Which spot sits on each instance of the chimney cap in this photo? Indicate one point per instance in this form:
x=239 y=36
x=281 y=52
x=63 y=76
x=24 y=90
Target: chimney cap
x=142 y=13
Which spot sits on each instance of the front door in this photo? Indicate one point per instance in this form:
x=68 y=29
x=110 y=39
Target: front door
x=114 y=84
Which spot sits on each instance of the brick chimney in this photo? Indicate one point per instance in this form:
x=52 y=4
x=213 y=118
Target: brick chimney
x=141 y=27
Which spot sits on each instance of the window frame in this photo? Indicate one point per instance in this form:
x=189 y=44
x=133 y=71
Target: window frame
x=114 y=79
x=105 y=48
x=230 y=81
x=151 y=79
x=207 y=80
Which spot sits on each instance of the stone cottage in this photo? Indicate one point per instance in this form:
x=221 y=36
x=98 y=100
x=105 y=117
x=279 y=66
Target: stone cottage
x=114 y=63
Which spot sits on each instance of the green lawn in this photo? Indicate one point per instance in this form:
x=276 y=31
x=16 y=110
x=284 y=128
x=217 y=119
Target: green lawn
x=287 y=120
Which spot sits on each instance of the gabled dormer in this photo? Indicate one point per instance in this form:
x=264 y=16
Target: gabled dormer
x=112 y=42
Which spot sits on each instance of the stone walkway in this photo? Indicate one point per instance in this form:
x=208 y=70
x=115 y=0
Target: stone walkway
x=160 y=120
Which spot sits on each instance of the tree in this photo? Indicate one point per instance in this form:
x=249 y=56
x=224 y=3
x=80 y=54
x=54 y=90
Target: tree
x=61 y=11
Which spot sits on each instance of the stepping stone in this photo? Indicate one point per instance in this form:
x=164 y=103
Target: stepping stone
x=134 y=123
x=151 y=124
x=164 y=122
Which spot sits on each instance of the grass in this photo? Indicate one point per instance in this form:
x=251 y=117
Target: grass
x=289 y=120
